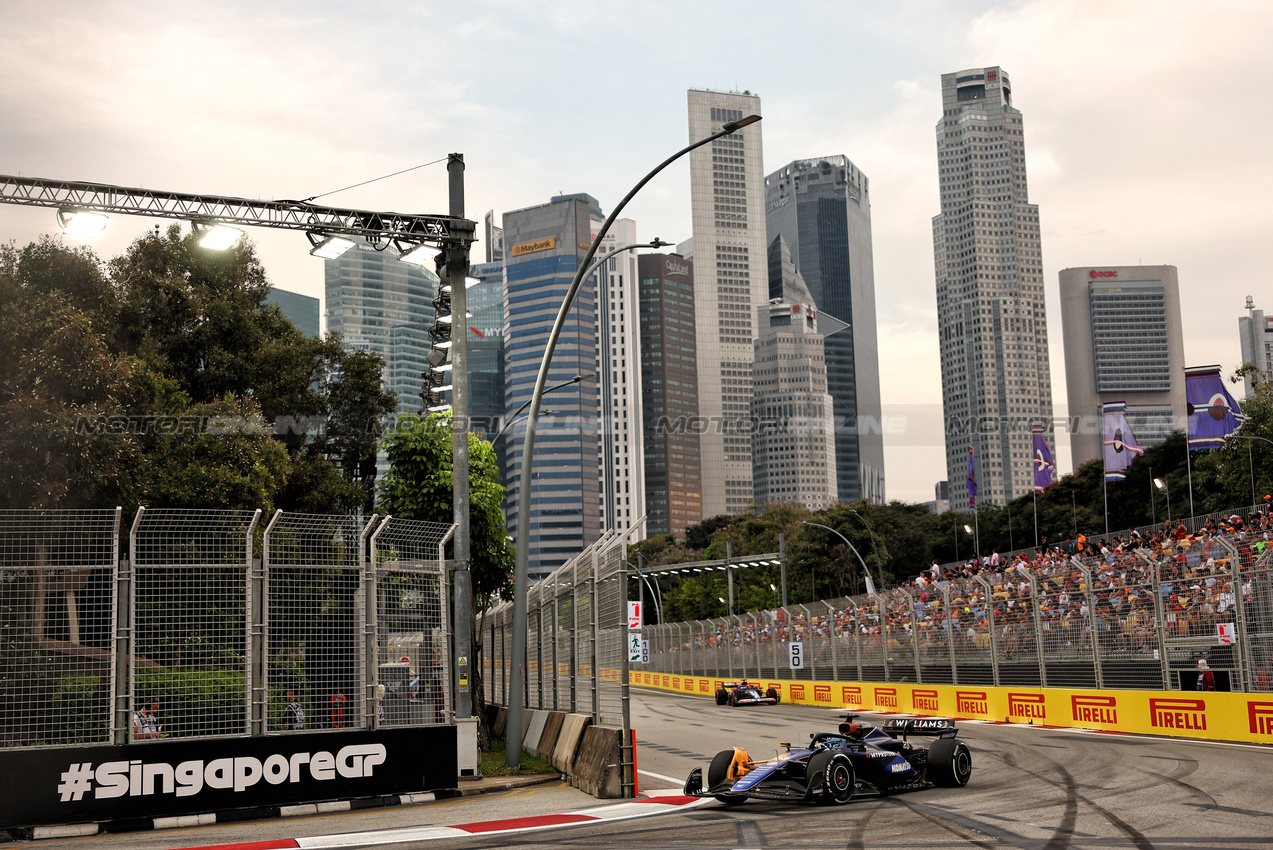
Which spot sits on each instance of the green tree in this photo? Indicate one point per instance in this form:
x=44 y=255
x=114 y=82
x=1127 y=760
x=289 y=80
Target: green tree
x=419 y=485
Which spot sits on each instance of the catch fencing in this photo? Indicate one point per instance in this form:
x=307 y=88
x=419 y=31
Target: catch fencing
x=218 y=624
x=1129 y=620
x=576 y=628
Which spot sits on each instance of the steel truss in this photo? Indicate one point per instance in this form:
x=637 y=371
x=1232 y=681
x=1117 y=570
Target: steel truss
x=209 y=209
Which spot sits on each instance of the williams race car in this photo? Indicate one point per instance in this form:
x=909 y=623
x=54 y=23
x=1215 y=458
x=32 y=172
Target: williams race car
x=857 y=759
x=743 y=693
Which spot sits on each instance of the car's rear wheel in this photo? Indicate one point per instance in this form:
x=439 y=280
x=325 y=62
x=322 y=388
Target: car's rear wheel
x=831 y=780
x=722 y=696
x=949 y=763
x=773 y=694
x=718 y=772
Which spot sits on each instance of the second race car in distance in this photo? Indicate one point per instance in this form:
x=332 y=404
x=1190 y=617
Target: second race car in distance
x=745 y=693
x=859 y=758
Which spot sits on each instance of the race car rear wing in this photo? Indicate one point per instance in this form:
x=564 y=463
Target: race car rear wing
x=935 y=727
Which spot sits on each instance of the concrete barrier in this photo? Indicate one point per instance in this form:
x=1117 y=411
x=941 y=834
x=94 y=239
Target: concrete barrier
x=598 y=764
x=572 y=726
x=548 y=738
x=534 y=728
x=500 y=724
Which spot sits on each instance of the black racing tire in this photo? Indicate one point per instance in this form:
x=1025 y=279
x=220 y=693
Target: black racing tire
x=718 y=772
x=773 y=694
x=722 y=696
x=830 y=779
x=949 y=763
x=733 y=698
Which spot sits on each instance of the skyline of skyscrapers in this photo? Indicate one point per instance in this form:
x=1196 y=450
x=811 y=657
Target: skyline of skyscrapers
x=991 y=315
x=821 y=208
x=727 y=201
x=1123 y=339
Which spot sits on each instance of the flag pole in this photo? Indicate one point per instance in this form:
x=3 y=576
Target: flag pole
x=1036 y=517
x=1189 y=469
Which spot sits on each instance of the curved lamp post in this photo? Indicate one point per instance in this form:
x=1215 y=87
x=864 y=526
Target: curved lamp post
x=576 y=379
x=870 y=585
x=879 y=565
x=518 y=649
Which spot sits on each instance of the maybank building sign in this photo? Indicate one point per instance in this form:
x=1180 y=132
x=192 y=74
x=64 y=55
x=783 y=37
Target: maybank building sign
x=534 y=247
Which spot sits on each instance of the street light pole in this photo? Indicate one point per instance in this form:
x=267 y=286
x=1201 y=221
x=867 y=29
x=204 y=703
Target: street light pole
x=516 y=698
x=870 y=585
x=878 y=564
x=1250 y=458
x=518 y=412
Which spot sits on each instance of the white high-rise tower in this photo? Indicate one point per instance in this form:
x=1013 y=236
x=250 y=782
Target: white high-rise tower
x=990 y=308
x=727 y=193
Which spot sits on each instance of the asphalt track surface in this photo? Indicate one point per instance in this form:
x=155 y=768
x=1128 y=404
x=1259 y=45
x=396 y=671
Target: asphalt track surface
x=1031 y=788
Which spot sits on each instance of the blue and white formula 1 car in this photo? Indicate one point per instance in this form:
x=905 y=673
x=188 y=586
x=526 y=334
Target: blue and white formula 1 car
x=857 y=759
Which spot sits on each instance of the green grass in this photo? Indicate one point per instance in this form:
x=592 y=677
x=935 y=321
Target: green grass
x=493 y=763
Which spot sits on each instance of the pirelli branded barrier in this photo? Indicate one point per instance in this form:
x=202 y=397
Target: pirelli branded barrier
x=87 y=784
x=1186 y=714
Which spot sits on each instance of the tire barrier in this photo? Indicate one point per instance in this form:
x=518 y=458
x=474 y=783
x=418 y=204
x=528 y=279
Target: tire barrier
x=1208 y=715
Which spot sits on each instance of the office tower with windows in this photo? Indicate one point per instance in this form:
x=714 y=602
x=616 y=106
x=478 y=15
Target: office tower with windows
x=1256 y=330
x=300 y=310
x=494 y=239
x=794 y=441
x=669 y=394
x=622 y=448
x=1123 y=342
x=990 y=309
x=486 y=352
x=377 y=303
x=728 y=214
x=544 y=246
x=821 y=209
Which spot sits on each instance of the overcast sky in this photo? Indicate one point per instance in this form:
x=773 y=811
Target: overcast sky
x=1148 y=127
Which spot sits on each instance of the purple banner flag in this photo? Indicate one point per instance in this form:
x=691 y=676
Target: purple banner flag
x=1213 y=413
x=972 y=481
x=1120 y=444
x=1043 y=463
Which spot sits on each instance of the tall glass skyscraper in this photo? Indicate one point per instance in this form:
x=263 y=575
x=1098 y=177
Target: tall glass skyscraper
x=543 y=247
x=821 y=209
x=669 y=394
x=727 y=196
x=990 y=309
x=377 y=303
x=486 y=352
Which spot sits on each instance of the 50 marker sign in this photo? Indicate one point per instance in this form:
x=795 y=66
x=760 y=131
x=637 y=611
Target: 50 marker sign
x=796 y=654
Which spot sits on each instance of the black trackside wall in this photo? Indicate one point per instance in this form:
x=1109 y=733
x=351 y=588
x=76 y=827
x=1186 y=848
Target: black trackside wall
x=163 y=779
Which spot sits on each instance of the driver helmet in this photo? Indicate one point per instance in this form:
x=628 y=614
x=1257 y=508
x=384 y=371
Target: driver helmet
x=743 y=683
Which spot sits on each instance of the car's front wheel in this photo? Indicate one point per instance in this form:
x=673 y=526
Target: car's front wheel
x=722 y=696
x=949 y=763
x=718 y=772
x=831 y=779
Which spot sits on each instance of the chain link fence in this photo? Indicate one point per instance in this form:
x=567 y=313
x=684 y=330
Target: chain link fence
x=1136 y=620
x=58 y=600
x=576 y=623
x=216 y=624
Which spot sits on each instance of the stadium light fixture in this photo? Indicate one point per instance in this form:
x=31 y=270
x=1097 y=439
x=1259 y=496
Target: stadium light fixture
x=328 y=247
x=80 y=223
x=419 y=255
x=217 y=237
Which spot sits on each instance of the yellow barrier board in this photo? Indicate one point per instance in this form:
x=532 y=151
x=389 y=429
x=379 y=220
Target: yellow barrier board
x=1183 y=714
